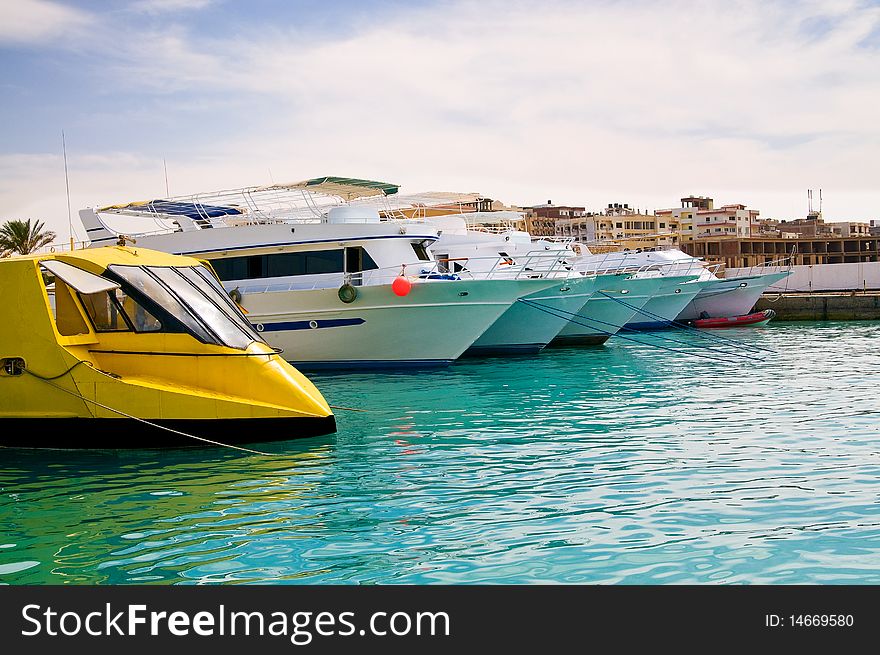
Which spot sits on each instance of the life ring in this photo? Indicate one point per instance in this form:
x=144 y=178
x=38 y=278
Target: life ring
x=235 y=294
x=347 y=293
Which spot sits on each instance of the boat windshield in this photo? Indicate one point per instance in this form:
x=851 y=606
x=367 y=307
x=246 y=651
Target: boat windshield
x=192 y=299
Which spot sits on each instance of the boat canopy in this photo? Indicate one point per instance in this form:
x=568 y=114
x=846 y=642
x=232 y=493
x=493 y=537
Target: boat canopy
x=191 y=209
x=308 y=199
x=81 y=280
x=347 y=188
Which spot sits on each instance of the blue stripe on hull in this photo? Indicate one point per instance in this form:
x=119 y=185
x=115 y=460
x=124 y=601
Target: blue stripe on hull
x=648 y=325
x=504 y=349
x=367 y=364
x=307 y=325
x=580 y=340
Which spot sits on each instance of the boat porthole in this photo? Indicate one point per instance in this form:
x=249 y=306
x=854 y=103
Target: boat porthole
x=313 y=324
x=259 y=327
x=678 y=291
x=624 y=291
x=564 y=289
x=743 y=285
x=462 y=293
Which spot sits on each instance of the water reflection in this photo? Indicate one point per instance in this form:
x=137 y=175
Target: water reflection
x=93 y=517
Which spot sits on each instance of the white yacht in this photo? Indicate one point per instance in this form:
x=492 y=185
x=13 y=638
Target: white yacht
x=618 y=296
x=619 y=300
x=716 y=297
x=533 y=322
x=323 y=280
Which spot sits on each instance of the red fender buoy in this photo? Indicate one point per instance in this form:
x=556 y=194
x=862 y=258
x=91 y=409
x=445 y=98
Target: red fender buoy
x=401 y=286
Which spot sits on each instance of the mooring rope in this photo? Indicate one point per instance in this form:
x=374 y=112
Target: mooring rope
x=577 y=318
x=348 y=409
x=722 y=341
x=49 y=381
x=683 y=326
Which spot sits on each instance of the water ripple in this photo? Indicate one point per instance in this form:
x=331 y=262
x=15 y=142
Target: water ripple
x=622 y=464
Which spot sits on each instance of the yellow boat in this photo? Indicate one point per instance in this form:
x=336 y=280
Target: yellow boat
x=121 y=347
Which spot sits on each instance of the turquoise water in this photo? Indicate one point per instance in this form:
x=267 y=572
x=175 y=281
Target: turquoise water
x=619 y=464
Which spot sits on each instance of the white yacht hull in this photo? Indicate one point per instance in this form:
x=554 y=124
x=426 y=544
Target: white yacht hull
x=532 y=322
x=431 y=326
x=618 y=298
x=728 y=297
x=659 y=312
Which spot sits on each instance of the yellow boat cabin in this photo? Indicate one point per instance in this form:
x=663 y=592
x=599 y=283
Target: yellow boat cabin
x=122 y=347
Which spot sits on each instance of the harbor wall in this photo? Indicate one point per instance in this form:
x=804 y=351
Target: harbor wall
x=828 y=306
x=864 y=276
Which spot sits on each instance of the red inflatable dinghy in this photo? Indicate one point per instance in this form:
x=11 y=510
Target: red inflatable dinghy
x=758 y=318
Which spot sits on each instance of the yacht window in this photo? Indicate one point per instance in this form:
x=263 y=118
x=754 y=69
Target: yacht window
x=210 y=287
x=358 y=260
x=326 y=261
x=236 y=268
x=105 y=312
x=303 y=263
x=443 y=262
x=138 y=315
x=314 y=262
x=148 y=289
x=186 y=299
x=109 y=308
x=421 y=252
x=217 y=318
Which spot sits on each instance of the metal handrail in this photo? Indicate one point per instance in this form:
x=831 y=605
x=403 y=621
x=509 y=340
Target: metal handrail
x=421 y=271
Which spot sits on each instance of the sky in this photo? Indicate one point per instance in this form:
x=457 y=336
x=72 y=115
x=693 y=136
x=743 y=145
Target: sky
x=582 y=103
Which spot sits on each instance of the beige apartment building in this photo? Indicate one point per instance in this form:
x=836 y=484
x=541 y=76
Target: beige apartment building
x=618 y=223
x=698 y=218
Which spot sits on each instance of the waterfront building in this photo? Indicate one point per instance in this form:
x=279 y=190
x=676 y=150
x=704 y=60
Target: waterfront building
x=618 y=223
x=815 y=226
x=681 y=219
x=541 y=220
x=745 y=253
x=698 y=218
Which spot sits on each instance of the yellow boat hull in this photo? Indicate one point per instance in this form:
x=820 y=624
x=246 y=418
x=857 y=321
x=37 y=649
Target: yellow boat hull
x=73 y=387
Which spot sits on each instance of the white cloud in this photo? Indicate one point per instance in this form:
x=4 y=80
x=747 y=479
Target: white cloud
x=40 y=21
x=163 y=6
x=581 y=103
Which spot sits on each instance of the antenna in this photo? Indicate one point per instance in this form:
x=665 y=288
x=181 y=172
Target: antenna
x=270 y=176
x=165 y=166
x=820 y=201
x=67 y=184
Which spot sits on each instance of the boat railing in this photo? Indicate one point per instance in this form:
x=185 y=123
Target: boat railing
x=554 y=239
x=619 y=267
x=62 y=246
x=783 y=264
x=535 y=264
x=490 y=229
x=538 y=266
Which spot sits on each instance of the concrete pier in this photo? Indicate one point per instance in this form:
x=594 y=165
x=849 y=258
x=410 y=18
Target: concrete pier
x=826 y=306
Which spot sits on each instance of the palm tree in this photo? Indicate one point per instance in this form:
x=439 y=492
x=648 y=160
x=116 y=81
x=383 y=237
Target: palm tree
x=23 y=237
